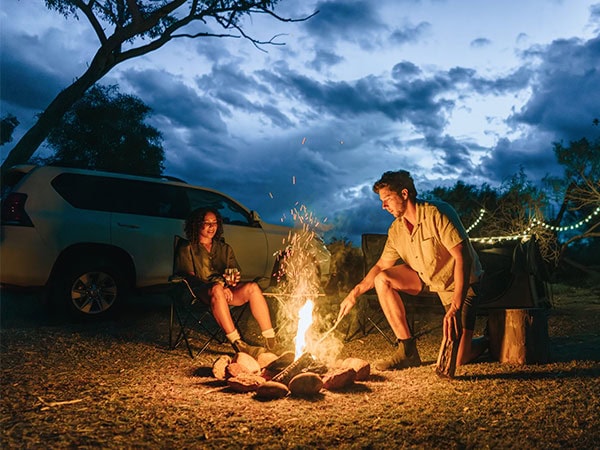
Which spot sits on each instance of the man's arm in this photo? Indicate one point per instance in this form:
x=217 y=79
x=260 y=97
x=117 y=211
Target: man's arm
x=364 y=285
x=462 y=272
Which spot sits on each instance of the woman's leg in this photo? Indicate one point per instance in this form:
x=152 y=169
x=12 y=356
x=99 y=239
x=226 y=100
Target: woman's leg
x=251 y=292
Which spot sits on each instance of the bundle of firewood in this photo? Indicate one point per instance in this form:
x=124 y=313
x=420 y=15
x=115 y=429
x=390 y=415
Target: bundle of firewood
x=272 y=377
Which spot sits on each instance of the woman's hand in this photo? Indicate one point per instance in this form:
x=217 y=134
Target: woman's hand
x=232 y=276
x=228 y=294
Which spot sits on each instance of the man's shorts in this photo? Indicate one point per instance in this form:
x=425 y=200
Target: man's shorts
x=469 y=309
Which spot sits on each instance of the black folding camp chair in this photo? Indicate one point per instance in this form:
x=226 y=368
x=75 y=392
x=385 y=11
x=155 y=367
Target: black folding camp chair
x=368 y=315
x=191 y=320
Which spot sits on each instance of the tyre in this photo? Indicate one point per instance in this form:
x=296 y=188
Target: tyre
x=90 y=290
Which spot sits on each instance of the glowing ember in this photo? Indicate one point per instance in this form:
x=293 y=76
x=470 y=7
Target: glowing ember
x=304 y=322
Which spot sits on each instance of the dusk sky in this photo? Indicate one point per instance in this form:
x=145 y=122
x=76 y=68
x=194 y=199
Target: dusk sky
x=450 y=90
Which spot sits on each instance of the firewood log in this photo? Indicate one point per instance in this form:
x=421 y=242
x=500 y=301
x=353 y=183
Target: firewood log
x=305 y=384
x=272 y=390
x=519 y=336
x=446 y=362
x=339 y=379
x=245 y=382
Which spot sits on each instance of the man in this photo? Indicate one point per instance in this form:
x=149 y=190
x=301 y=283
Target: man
x=436 y=255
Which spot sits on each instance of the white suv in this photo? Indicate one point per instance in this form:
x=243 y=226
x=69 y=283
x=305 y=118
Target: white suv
x=89 y=236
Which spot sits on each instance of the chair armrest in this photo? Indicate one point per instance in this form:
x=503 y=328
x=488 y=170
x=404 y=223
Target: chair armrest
x=175 y=279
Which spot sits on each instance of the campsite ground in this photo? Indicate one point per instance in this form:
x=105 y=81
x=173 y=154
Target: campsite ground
x=115 y=384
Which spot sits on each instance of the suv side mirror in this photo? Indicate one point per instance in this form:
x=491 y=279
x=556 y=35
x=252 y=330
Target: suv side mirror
x=255 y=218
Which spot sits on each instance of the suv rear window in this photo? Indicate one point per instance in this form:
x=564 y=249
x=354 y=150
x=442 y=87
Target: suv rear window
x=123 y=196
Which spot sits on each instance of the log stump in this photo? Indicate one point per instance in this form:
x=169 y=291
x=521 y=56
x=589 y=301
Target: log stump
x=519 y=336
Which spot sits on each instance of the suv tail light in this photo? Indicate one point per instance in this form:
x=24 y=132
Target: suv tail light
x=13 y=210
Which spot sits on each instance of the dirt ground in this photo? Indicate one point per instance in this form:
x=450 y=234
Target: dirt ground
x=116 y=384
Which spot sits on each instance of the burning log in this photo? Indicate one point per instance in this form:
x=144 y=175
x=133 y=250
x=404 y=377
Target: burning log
x=301 y=364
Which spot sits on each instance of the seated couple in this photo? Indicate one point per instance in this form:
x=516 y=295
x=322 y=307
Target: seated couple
x=202 y=260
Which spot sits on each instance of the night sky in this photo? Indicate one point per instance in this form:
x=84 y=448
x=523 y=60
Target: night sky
x=469 y=90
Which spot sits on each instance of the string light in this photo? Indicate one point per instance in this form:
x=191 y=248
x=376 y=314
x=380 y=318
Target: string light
x=481 y=213
x=534 y=223
x=537 y=222
x=494 y=239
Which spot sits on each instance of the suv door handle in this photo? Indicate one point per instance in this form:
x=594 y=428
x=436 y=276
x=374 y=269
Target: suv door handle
x=126 y=225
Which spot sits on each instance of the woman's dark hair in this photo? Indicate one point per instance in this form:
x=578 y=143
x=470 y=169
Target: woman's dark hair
x=397 y=181
x=195 y=222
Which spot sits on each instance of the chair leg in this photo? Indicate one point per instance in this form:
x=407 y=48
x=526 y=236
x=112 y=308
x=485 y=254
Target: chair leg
x=182 y=335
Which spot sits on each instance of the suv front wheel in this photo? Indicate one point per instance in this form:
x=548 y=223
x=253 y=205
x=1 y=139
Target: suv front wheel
x=89 y=290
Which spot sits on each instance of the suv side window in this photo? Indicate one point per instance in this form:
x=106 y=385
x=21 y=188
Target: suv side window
x=232 y=213
x=122 y=196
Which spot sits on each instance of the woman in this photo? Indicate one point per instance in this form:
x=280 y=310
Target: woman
x=203 y=260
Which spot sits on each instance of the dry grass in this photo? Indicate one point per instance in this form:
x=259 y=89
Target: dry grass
x=115 y=384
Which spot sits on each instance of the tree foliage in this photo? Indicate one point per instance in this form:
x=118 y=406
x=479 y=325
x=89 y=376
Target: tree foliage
x=580 y=189
x=467 y=199
x=7 y=127
x=105 y=130
x=138 y=27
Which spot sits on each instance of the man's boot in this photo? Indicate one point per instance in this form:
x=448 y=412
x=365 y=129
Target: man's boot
x=405 y=356
x=252 y=350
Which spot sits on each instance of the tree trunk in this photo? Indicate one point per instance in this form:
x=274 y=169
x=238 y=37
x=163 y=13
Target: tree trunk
x=519 y=336
x=33 y=138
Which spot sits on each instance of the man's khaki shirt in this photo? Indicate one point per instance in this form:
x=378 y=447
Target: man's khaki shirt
x=437 y=229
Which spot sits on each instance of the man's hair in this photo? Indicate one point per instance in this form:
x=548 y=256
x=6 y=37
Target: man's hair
x=396 y=182
x=195 y=222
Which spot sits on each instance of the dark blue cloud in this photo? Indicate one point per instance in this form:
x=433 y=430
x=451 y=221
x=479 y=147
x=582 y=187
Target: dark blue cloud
x=324 y=59
x=410 y=34
x=28 y=82
x=345 y=20
x=480 y=43
x=405 y=69
x=565 y=91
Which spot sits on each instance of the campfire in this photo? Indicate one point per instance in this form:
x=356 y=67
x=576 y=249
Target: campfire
x=310 y=368
x=297 y=373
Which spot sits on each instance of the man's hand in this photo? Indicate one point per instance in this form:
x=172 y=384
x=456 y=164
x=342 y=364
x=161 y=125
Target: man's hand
x=346 y=305
x=451 y=324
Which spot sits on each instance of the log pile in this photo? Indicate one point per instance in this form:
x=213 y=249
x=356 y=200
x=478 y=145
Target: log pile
x=276 y=377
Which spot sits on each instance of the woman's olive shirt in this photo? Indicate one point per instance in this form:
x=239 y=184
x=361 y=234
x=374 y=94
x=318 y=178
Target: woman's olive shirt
x=196 y=262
